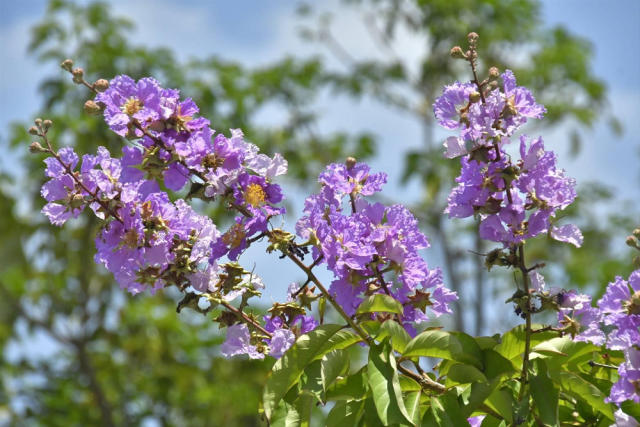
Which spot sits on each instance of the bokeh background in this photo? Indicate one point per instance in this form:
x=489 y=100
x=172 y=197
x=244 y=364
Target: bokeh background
x=316 y=82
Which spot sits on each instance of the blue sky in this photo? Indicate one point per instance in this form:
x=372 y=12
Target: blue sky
x=255 y=32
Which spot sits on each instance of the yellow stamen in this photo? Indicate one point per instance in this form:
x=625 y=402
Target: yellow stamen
x=255 y=195
x=132 y=106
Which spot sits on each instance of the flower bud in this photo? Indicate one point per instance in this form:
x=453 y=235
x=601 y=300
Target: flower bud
x=35 y=147
x=632 y=241
x=33 y=130
x=67 y=64
x=101 y=85
x=472 y=37
x=457 y=53
x=636 y=232
x=76 y=201
x=46 y=125
x=92 y=107
x=474 y=96
x=494 y=72
x=78 y=75
x=350 y=162
x=38 y=122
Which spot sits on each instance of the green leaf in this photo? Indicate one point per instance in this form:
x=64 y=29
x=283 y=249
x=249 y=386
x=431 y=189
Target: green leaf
x=631 y=408
x=513 y=341
x=447 y=411
x=488 y=342
x=412 y=403
x=495 y=365
x=583 y=390
x=345 y=413
x=385 y=386
x=380 y=303
x=433 y=343
x=288 y=369
x=352 y=387
x=553 y=346
x=462 y=373
x=545 y=395
x=333 y=364
x=294 y=414
x=445 y=345
x=471 y=352
x=502 y=402
x=340 y=340
x=399 y=336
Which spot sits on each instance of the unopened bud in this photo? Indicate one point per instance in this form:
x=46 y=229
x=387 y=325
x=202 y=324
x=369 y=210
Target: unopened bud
x=46 y=125
x=35 y=147
x=350 y=162
x=632 y=241
x=38 y=122
x=494 y=72
x=101 y=85
x=92 y=107
x=33 y=130
x=67 y=64
x=636 y=232
x=472 y=37
x=457 y=53
x=474 y=96
x=78 y=74
x=76 y=201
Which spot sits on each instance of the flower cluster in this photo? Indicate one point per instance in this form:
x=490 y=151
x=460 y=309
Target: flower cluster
x=618 y=317
x=514 y=201
x=373 y=248
x=614 y=324
x=148 y=241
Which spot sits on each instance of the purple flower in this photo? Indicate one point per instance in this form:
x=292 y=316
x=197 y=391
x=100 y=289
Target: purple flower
x=628 y=385
x=281 y=341
x=126 y=100
x=476 y=421
x=238 y=342
x=447 y=107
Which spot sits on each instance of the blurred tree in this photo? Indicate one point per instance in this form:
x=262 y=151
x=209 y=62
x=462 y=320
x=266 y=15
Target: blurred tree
x=552 y=62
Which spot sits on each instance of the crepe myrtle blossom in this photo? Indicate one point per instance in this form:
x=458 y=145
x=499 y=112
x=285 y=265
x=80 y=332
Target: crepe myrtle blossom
x=514 y=201
x=238 y=342
x=501 y=112
x=618 y=316
x=369 y=247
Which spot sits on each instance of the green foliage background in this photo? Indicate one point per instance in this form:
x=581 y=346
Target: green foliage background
x=118 y=360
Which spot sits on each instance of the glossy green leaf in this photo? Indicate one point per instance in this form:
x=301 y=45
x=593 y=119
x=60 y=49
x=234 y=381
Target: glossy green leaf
x=333 y=364
x=545 y=395
x=380 y=303
x=345 y=413
x=582 y=390
x=433 y=343
x=471 y=352
x=352 y=387
x=631 y=408
x=385 y=386
x=288 y=369
x=501 y=401
x=447 y=411
x=495 y=365
x=412 y=403
x=397 y=333
x=462 y=373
